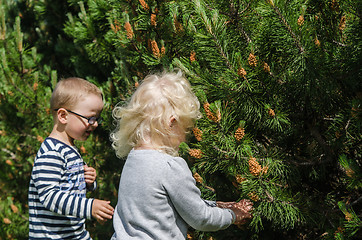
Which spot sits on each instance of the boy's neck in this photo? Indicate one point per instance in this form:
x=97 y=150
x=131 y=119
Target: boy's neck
x=61 y=136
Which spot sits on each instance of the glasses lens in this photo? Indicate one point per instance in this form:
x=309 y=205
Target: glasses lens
x=93 y=120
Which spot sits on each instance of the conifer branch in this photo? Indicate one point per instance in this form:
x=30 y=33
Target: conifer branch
x=284 y=21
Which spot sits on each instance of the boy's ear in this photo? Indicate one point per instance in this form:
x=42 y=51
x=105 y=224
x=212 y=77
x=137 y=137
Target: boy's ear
x=62 y=115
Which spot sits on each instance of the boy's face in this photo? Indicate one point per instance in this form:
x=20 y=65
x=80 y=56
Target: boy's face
x=78 y=128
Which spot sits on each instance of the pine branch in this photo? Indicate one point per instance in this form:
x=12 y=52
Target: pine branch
x=284 y=21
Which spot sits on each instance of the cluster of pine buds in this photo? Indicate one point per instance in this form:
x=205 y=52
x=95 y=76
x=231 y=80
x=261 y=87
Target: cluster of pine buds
x=155 y=49
x=210 y=115
x=317 y=42
x=253 y=196
x=271 y=112
x=252 y=60
x=239 y=179
x=195 y=153
x=153 y=20
x=241 y=72
x=239 y=133
x=192 y=56
x=300 y=20
x=178 y=25
x=198 y=178
x=144 y=5
x=129 y=30
x=342 y=23
x=255 y=168
x=197 y=133
x=266 y=67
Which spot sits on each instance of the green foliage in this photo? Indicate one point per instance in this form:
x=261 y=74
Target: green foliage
x=279 y=83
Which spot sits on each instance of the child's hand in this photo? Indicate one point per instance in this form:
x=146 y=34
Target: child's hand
x=102 y=210
x=90 y=175
x=242 y=211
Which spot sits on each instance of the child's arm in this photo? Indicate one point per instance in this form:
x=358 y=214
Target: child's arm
x=47 y=175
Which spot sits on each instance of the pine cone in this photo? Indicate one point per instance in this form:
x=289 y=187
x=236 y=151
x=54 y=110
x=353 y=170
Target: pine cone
x=252 y=60
x=197 y=133
x=254 y=166
x=196 y=153
x=239 y=134
x=317 y=42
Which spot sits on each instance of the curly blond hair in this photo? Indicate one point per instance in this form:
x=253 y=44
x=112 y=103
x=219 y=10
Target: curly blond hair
x=146 y=116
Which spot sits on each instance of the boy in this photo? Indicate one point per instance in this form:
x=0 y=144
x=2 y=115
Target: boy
x=58 y=206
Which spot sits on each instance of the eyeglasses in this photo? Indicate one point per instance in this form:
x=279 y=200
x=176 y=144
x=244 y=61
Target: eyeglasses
x=91 y=120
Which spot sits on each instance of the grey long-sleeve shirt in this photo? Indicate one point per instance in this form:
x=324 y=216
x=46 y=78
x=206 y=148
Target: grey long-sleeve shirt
x=158 y=199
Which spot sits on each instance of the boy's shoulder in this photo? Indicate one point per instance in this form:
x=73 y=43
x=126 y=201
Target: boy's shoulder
x=52 y=146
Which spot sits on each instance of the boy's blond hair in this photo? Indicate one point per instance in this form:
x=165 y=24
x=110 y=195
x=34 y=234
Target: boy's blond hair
x=69 y=91
x=147 y=115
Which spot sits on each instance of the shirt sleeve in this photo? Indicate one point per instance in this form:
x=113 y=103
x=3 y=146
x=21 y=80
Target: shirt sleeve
x=186 y=198
x=47 y=172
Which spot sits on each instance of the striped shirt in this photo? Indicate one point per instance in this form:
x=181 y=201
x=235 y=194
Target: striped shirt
x=58 y=205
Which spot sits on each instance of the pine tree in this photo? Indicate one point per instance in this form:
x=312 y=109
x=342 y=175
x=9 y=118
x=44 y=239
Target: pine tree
x=280 y=88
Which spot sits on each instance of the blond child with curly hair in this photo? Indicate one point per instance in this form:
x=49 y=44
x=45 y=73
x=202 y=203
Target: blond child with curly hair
x=158 y=197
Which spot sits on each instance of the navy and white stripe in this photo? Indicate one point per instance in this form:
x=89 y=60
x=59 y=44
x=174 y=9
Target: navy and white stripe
x=58 y=206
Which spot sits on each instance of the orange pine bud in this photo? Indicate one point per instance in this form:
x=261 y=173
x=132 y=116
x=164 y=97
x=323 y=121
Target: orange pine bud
x=239 y=179
x=40 y=138
x=252 y=60
x=193 y=56
x=196 y=153
x=197 y=133
x=253 y=196
x=14 y=208
x=241 y=72
x=210 y=115
x=239 y=134
x=266 y=67
x=144 y=5
x=153 y=20
x=254 y=166
x=35 y=86
x=300 y=20
x=271 y=112
x=198 y=178
x=6 y=220
x=129 y=30
x=155 y=49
